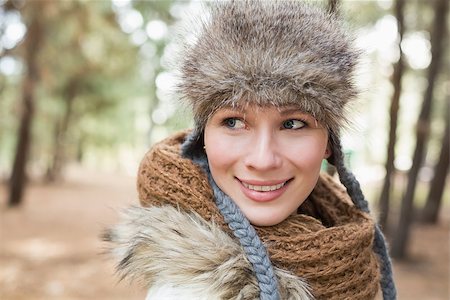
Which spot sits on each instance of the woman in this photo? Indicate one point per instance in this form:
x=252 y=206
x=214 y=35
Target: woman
x=236 y=208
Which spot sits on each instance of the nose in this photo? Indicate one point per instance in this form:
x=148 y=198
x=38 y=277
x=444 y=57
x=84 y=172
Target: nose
x=263 y=152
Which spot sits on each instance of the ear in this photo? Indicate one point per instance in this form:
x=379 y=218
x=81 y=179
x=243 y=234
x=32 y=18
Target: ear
x=328 y=152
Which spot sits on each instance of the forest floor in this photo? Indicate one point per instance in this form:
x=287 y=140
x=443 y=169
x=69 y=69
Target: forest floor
x=50 y=247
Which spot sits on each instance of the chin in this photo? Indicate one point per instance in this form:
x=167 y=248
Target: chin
x=264 y=221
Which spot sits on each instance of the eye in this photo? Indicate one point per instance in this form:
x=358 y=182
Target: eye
x=234 y=123
x=293 y=124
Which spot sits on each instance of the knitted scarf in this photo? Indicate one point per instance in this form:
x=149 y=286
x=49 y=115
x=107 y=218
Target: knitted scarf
x=328 y=242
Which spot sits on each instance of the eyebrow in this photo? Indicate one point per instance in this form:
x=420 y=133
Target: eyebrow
x=284 y=111
x=291 y=110
x=232 y=109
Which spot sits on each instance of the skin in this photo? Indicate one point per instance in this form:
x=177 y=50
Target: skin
x=267 y=159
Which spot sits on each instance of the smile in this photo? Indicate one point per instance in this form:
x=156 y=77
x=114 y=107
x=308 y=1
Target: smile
x=264 y=191
x=264 y=188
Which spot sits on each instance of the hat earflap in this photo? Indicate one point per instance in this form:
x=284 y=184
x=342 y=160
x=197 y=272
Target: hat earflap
x=192 y=146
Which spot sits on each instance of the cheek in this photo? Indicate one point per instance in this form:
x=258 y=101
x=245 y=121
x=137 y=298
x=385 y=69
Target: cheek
x=307 y=152
x=217 y=148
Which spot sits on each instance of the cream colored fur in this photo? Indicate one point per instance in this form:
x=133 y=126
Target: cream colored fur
x=181 y=256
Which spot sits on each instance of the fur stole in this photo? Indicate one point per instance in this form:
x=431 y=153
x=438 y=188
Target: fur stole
x=179 y=255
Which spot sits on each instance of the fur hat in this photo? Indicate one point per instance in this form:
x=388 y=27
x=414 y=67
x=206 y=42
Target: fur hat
x=271 y=53
x=276 y=53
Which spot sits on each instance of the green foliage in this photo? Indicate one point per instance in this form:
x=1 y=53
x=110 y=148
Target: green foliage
x=86 y=61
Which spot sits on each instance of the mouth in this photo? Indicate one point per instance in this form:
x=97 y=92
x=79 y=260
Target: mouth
x=263 y=188
x=264 y=191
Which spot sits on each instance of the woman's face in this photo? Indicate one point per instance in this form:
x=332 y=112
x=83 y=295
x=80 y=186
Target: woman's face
x=267 y=159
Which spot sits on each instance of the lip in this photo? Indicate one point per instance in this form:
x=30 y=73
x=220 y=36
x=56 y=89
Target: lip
x=260 y=196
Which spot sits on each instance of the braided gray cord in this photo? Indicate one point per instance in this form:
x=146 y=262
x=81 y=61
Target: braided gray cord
x=242 y=229
x=379 y=246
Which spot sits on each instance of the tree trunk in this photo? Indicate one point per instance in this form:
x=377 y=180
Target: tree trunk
x=60 y=138
x=33 y=42
x=401 y=239
x=430 y=212
x=395 y=103
x=80 y=149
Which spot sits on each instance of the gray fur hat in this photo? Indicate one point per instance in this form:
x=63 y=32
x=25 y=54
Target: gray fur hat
x=271 y=52
x=274 y=53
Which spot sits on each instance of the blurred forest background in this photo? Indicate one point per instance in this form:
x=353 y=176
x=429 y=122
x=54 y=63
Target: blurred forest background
x=86 y=87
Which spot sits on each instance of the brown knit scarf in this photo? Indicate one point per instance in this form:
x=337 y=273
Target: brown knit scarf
x=328 y=243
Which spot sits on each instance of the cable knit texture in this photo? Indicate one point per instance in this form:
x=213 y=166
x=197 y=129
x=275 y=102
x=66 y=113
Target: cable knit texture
x=328 y=243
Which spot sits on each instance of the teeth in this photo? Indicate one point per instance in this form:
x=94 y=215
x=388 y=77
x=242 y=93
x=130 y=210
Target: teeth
x=264 y=188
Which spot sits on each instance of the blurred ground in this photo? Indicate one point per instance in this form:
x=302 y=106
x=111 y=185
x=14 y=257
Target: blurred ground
x=49 y=248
